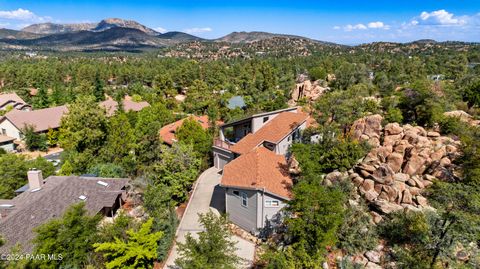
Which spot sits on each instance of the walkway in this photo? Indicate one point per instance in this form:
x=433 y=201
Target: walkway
x=207 y=196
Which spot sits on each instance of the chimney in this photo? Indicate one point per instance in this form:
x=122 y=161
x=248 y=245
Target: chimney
x=35 y=179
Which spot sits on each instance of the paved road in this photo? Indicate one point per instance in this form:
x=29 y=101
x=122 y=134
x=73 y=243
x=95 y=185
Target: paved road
x=207 y=196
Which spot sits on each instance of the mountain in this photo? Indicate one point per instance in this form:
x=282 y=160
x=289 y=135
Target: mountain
x=244 y=37
x=179 y=36
x=117 y=38
x=53 y=28
x=13 y=34
x=114 y=22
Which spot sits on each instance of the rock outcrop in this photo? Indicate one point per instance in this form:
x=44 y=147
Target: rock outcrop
x=403 y=161
x=463 y=116
x=308 y=90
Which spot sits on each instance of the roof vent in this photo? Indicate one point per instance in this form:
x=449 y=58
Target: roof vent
x=35 y=190
x=6 y=205
x=103 y=183
x=82 y=197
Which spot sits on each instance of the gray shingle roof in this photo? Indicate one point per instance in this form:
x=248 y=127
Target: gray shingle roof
x=31 y=209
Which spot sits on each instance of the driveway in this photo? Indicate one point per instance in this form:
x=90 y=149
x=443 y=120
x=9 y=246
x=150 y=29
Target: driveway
x=207 y=196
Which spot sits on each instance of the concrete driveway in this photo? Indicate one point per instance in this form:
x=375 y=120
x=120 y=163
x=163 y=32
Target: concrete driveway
x=207 y=196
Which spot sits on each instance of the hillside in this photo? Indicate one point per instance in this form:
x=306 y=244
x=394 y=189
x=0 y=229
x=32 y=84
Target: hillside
x=112 y=39
x=13 y=34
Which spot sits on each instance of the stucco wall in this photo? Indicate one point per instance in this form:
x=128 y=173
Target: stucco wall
x=11 y=130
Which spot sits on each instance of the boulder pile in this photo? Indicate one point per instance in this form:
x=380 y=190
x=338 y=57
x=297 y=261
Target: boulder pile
x=403 y=161
x=308 y=90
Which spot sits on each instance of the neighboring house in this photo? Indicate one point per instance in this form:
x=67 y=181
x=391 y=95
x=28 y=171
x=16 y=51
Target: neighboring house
x=253 y=160
x=257 y=185
x=6 y=143
x=111 y=105
x=167 y=132
x=12 y=123
x=13 y=101
x=44 y=200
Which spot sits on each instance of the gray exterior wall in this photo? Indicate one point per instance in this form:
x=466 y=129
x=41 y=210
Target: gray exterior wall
x=266 y=213
x=283 y=146
x=256 y=215
x=221 y=157
x=245 y=217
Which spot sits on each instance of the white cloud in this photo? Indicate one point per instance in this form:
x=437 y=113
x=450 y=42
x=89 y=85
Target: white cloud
x=22 y=15
x=359 y=26
x=378 y=25
x=439 y=17
x=197 y=30
x=160 y=29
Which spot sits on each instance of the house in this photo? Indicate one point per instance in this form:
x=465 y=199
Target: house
x=252 y=154
x=274 y=130
x=12 y=123
x=13 y=101
x=6 y=143
x=167 y=132
x=257 y=186
x=111 y=105
x=44 y=200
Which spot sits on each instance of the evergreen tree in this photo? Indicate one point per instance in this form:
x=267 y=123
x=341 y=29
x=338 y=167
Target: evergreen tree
x=71 y=236
x=213 y=249
x=139 y=250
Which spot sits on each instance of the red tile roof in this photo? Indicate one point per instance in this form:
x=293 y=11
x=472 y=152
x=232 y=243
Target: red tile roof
x=167 y=132
x=259 y=169
x=273 y=131
x=41 y=119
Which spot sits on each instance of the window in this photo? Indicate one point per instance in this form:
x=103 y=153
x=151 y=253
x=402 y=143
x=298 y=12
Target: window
x=265 y=119
x=236 y=193
x=244 y=199
x=4 y=131
x=272 y=203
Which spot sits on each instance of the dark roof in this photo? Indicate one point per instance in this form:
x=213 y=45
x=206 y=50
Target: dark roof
x=31 y=209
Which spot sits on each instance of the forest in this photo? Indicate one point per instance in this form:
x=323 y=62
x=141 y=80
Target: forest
x=320 y=220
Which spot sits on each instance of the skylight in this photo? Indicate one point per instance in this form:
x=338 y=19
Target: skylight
x=103 y=183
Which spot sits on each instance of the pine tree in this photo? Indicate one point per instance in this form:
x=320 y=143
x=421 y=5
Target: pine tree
x=213 y=249
x=138 y=251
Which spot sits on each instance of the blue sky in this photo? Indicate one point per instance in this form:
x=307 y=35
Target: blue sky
x=347 y=21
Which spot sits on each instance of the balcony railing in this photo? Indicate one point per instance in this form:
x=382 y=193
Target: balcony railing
x=221 y=144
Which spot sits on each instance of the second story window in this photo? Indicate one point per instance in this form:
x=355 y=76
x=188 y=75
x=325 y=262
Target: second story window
x=244 y=199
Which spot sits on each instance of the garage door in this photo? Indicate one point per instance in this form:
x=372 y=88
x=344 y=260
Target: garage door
x=221 y=161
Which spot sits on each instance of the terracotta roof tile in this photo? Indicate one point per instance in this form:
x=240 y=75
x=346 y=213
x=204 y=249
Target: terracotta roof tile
x=167 y=132
x=41 y=119
x=272 y=131
x=258 y=169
